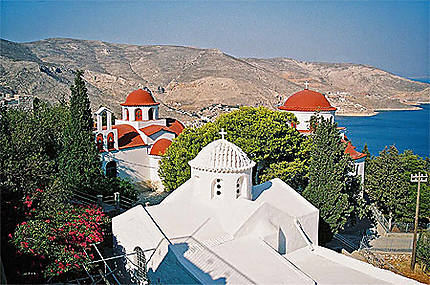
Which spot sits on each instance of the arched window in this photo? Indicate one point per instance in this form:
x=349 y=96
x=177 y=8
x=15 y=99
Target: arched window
x=151 y=114
x=99 y=141
x=140 y=262
x=217 y=188
x=239 y=186
x=138 y=114
x=110 y=141
x=111 y=169
x=127 y=115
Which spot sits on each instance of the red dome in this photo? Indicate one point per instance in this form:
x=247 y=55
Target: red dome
x=307 y=100
x=139 y=98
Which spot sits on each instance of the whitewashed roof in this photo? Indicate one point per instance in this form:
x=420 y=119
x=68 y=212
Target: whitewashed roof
x=222 y=156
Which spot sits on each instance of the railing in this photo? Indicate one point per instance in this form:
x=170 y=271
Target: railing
x=108 y=203
x=373 y=257
x=346 y=242
x=381 y=219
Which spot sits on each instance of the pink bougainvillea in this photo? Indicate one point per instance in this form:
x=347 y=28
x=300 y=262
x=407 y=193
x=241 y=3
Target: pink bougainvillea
x=63 y=240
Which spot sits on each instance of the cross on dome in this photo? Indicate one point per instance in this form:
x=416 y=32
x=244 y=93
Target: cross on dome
x=306 y=84
x=222 y=133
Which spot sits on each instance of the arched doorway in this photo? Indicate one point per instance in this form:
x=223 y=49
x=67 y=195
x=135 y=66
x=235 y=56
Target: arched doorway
x=111 y=169
x=127 y=115
x=138 y=114
x=140 y=262
x=110 y=141
x=99 y=141
x=150 y=114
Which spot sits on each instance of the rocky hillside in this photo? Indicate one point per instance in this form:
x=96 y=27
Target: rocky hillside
x=194 y=83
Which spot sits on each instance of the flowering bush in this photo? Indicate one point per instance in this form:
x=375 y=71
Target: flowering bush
x=61 y=240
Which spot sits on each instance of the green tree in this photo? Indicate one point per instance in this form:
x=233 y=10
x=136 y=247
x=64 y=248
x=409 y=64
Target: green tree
x=331 y=189
x=80 y=167
x=385 y=183
x=412 y=164
x=423 y=250
x=265 y=136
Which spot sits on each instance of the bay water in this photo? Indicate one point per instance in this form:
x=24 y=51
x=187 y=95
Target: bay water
x=404 y=129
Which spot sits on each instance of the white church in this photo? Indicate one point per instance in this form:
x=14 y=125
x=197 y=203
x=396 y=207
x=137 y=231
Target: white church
x=308 y=103
x=219 y=228
x=131 y=147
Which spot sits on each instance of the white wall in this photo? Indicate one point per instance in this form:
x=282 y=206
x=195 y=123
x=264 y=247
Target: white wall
x=145 y=112
x=134 y=164
x=305 y=117
x=206 y=185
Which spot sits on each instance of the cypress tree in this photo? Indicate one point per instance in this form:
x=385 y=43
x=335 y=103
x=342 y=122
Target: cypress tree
x=329 y=187
x=80 y=162
x=385 y=183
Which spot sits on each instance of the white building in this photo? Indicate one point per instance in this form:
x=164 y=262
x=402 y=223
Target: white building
x=308 y=103
x=131 y=148
x=218 y=228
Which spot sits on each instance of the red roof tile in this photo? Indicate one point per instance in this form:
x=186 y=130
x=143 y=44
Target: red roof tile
x=139 y=98
x=160 y=146
x=176 y=126
x=350 y=149
x=128 y=136
x=307 y=100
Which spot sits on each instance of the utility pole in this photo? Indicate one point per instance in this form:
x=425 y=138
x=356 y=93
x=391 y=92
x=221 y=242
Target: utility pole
x=416 y=178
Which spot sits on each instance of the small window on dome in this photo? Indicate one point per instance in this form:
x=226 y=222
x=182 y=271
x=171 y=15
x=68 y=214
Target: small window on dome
x=138 y=115
x=150 y=114
x=239 y=186
x=216 y=188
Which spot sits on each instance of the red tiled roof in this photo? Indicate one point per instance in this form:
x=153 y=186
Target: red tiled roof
x=350 y=149
x=139 y=98
x=128 y=136
x=152 y=129
x=160 y=146
x=307 y=100
x=176 y=126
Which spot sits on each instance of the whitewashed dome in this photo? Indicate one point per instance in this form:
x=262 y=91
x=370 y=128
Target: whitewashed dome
x=221 y=156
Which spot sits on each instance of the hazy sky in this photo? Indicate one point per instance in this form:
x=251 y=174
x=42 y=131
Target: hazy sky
x=390 y=35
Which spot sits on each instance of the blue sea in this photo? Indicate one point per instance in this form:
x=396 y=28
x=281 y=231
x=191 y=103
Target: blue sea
x=404 y=129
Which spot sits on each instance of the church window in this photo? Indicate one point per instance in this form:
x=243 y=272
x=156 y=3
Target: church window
x=127 y=115
x=99 y=142
x=140 y=262
x=138 y=114
x=111 y=169
x=150 y=114
x=110 y=141
x=239 y=186
x=216 y=187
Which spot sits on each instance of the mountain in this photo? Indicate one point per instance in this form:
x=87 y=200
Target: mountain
x=194 y=83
